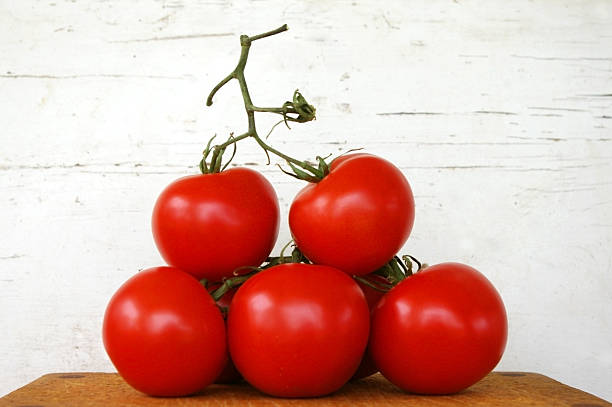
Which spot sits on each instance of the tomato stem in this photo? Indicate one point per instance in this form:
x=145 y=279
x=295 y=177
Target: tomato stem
x=398 y=269
x=230 y=283
x=376 y=285
x=239 y=279
x=298 y=107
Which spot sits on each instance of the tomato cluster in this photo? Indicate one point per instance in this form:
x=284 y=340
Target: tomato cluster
x=299 y=329
x=341 y=307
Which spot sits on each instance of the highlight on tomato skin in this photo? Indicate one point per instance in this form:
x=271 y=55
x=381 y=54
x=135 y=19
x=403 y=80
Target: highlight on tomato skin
x=357 y=217
x=298 y=330
x=164 y=333
x=440 y=330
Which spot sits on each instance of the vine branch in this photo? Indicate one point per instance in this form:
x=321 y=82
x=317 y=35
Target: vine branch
x=298 y=108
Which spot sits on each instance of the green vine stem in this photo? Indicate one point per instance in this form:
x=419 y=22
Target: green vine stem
x=297 y=110
x=396 y=270
x=238 y=279
x=393 y=272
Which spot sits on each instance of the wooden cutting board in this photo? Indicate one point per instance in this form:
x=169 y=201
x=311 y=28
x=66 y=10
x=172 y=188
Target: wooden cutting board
x=108 y=389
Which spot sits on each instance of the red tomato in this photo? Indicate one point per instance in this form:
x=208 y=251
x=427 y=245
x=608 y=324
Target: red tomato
x=164 y=333
x=355 y=219
x=371 y=294
x=229 y=374
x=209 y=225
x=367 y=367
x=298 y=330
x=440 y=330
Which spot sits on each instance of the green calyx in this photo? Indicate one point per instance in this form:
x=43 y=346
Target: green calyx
x=393 y=273
x=240 y=276
x=306 y=112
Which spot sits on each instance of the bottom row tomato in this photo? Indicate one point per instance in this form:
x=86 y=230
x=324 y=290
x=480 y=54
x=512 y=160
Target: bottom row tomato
x=164 y=333
x=297 y=330
x=439 y=331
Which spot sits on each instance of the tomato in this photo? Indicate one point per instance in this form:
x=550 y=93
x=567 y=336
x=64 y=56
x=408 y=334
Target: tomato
x=298 y=330
x=357 y=217
x=229 y=374
x=373 y=295
x=440 y=330
x=164 y=333
x=209 y=225
x=367 y=367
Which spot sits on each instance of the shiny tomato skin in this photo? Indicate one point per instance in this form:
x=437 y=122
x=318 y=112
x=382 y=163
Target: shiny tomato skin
x=209 y=225
x=440 y=330
x=357 y=217
x=164 y=333
x=298 y=330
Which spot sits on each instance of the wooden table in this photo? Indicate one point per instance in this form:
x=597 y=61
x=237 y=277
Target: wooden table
x=108 y=389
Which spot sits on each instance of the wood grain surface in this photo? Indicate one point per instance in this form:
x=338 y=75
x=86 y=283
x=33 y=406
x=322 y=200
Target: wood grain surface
x=107 y=389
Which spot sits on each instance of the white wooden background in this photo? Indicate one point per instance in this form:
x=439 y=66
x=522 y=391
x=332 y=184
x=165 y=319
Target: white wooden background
x=499 y=114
